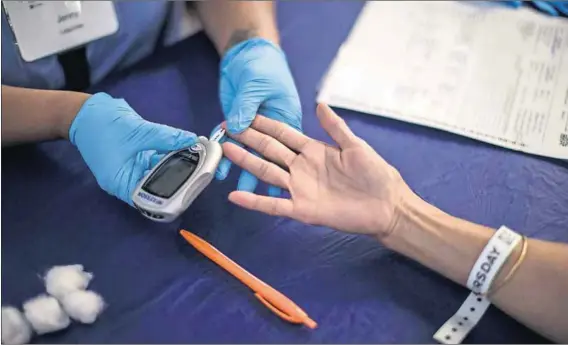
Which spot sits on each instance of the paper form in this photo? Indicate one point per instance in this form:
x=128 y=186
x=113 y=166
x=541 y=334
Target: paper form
x=476 y=69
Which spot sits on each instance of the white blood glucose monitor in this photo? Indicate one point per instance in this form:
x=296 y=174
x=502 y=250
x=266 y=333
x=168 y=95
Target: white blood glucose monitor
x=174 y=183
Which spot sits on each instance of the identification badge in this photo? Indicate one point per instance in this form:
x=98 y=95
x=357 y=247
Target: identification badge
x=44 y=28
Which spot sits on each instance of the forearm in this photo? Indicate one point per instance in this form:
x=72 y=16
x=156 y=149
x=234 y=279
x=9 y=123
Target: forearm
x=537 y=295
x=230 y=22
x=30 y=115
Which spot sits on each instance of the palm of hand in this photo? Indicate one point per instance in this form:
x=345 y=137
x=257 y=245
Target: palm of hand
x=331 y=187
x=349 y=187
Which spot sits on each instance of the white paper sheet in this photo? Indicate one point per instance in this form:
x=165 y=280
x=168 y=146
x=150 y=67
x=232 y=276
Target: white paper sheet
x=476 y=69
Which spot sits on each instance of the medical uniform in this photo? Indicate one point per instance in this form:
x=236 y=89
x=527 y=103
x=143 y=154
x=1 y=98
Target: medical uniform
x=142 y=27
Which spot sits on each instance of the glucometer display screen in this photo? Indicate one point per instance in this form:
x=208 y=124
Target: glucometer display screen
x=170 y=176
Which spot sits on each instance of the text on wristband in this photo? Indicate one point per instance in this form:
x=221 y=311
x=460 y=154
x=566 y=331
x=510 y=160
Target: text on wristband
x=485 y=268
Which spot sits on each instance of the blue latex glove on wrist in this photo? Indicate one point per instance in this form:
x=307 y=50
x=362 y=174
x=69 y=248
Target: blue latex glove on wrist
x=255 y=78
x=119 y=146
x=552 y=8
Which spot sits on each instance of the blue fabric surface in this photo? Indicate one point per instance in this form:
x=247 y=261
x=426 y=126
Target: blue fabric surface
x=161 y=290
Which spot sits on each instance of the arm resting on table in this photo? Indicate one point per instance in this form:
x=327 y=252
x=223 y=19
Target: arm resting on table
x=349 y=187
x=536 y=295
x=30 y=115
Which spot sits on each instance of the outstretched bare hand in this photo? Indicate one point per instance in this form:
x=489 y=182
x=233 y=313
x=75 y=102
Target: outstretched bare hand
x=349 y=187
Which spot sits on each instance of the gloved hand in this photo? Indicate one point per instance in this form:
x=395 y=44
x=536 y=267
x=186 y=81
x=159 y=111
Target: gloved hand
x=119 y=146
x=255 y=78
x=513 y=3
x=552 y=8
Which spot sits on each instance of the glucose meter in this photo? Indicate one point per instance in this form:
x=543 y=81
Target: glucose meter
x=174 y=183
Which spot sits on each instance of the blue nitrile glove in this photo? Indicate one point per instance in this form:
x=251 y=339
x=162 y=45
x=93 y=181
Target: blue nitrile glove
x=546 y=7
x=552 y=8
x=555 y=8
x=119 y=146
x=255 y=78
x=561 y=6
x=514 y=4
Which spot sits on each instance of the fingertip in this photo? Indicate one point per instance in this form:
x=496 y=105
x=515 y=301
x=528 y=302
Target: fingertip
x=321 y=114
x=324 y=112
x=228 y=146
x=242 y=198
x=319 y=109
x=233 y=196
x=232 y=153
x=237 y=198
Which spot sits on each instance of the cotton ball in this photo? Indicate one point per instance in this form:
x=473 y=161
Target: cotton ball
x=83 y=305
x=15 y=328
x=61 y=280
x=45 y=314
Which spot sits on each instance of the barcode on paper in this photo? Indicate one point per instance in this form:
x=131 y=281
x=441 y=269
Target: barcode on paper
x=564 y=140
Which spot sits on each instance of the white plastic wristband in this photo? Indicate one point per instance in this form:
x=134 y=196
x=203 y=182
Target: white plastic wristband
x=482 y=275
x=491 y=259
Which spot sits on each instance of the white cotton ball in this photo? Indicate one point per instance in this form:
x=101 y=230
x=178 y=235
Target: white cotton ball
x=83 y=306
x=61 y=280
x=45 y=314
x=15 y=327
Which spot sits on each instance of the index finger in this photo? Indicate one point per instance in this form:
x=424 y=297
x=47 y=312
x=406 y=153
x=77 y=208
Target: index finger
x=280 y=131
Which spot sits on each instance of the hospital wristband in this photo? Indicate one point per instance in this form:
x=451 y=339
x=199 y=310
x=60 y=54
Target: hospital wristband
x=492 y=259
x=481 y=277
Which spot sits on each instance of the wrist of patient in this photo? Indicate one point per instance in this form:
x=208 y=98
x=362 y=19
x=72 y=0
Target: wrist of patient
x=444 y=243
x=408 y=212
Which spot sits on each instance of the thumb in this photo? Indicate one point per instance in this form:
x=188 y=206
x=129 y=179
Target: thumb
x=164 y=138
x=243 y=112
